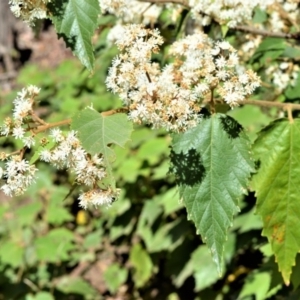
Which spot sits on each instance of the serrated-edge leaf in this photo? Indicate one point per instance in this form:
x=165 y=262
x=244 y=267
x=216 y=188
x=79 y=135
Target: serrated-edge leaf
x=76 y=21
x=216 y=154
x=277 y=186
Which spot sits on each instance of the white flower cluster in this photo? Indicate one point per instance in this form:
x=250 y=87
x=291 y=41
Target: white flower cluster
x=29 y=10
x=98 y=197
x=283 y=74
x=64 y=152
x=22 y=113
x=284 y=14
x=131 y=11
x=88 y=170
x=171 y=98
x=230 y=12
x=19 y=175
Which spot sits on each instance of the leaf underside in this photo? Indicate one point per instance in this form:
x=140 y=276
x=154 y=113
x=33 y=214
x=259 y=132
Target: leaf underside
x=212 y=164
x=277 y=186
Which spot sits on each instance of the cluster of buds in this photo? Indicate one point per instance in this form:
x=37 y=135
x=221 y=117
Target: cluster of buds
x=171 y=97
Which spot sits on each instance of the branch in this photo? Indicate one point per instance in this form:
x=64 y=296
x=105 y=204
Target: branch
x=45 y=127
x=181 y=2
x=51 y=125
x=248 y=29
x=294 y=36
x=285 y=106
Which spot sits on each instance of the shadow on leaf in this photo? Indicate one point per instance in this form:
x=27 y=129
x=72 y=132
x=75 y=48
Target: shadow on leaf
x=187 y=167
x=231 y=126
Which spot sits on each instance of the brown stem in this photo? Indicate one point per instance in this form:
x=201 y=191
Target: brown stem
x=248 y=29
x=181 y=2
x=148 y=77
x=37 y=119
x=51 y=125
x=45 y=127
x=289 y=111
x=292 y=106
x=114 y=111
x=212 y=102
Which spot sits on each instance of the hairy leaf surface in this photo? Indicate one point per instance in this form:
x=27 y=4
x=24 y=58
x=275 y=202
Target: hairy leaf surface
x=76 y=21
x=212 y=164
x=277 y=186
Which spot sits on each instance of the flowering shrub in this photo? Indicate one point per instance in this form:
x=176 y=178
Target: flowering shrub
x=190 y=85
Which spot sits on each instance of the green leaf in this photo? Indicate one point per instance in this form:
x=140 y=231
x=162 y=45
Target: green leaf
x=69 y=284
x=269 y=49
x=142 y=265
x=224 y=29
x=293 y=91
x=76 y=21
x=256 y=284
x=205 y=273
x=247 y=221
x=56 y=213
x=97 y=132
x=114 y=277
x=212 y=164
x=277 y=186
x=42 y=296
x=26 y=214
x=54 y=246
x=295 y=278
x=12 y=254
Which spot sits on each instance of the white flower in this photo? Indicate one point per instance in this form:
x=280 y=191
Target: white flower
x=46 y=155
x=28 y=141
x=97 y=197
x=5 y=130
x=57 y=135
x=19 y=176
x=18 y=132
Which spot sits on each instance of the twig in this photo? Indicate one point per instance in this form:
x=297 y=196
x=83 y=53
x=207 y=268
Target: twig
x=248 y=29
x=292 y=106
x=42 y=128
x=114 y=111
x=51 y=125
x=181 y=2
x=289 y=111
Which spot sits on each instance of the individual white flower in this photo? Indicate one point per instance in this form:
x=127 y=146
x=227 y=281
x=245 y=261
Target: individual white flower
x=28 y=141
x=18 y=132
x=5 y=130
x=46 y=155
x=57 y=135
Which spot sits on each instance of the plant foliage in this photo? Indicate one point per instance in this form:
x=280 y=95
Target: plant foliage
x=202 y=193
